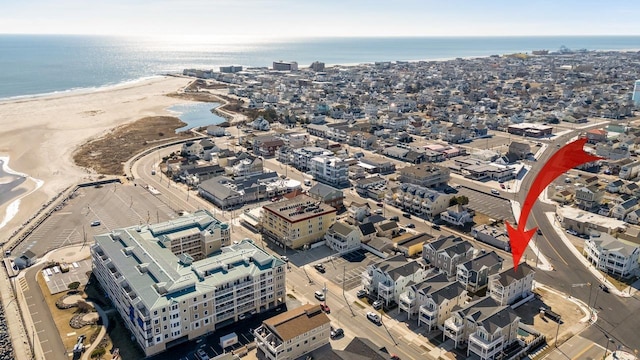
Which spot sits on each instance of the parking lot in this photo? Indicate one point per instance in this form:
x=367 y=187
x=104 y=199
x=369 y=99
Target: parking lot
x=493 y=206
x=348 y=268
x=113 y=205
x=58 y=281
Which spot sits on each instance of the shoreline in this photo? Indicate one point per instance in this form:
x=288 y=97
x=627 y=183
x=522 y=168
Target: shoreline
x=39 y=135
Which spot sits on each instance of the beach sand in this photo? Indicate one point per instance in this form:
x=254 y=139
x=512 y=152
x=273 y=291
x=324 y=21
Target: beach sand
x=39 y=135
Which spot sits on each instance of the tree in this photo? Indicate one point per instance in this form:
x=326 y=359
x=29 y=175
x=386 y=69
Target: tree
x=74 y=285
x=463 y=200
x=98 y=353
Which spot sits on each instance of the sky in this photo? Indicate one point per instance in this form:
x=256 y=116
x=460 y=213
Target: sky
x=327 y=18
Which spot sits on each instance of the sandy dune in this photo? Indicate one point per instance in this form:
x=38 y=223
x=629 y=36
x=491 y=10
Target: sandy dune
x=39 y=135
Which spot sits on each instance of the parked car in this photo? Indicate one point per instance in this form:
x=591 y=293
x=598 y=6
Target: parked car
x=377 y=304
x=380 y=204
x=320 y=268
x=604 y=288
x=95 y=223
x=411 y=225
x=407 y=215
x=572 y=232
x=583 y=236
x=394 y=218
x=336 y=333
x=325 y=308
x=495 y=192
x=435 y=226
x=373 y=317
x=319 y=295
x=361 y=293
x=201 y=355
x=502 y=186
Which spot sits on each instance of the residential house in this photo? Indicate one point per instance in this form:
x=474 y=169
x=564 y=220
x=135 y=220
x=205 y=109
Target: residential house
x=485 y=327
x=377 y=167
x=588 y=197
x=292 y=334
x=368 y=231
x=389 y=278
x=492 y=236
x=457 y=215
x=215 y=130
x=474 y=274
x=563 y=196
x=327 y=194
x=621 y=210
x=631 y=188
x=595 y=136
x=387 y=229
x=260 y=124
x=301 y=158
x=410 y=244
x=633 y=217
x=358 y=211
x=359 y=349
x=267 y=145
x=447 y=252
x=342 y=237
x=512 y=285
x=617 y=258
x=615 y=186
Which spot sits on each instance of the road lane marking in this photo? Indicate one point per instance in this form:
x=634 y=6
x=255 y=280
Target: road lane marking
x=582 y=352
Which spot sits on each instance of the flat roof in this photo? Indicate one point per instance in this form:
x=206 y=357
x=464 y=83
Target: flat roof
x=299 y=208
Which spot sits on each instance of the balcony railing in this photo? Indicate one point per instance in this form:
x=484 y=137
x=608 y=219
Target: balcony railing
x=483 y=348
x=451 y=325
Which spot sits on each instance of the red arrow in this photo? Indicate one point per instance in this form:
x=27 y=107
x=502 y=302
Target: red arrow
x=568 y=157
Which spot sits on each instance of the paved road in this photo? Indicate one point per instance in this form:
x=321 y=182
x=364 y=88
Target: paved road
x=44 y=326
x=617 y=317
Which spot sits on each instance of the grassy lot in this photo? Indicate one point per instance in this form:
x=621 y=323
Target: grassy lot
x=68 y=334
x=481 y=219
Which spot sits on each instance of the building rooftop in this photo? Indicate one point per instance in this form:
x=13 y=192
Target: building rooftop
x=157 y=276
x=296 y=322
x=299 y=208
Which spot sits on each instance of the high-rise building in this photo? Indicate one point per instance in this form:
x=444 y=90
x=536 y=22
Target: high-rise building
x=285 y=65
x=166 y=297
x=636 y=93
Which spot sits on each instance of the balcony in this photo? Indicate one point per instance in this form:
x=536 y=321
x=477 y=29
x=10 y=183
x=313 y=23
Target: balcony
x=407 y=302
x=367 y=279
x=385 y=291
x=483 y=348
x=269 y=341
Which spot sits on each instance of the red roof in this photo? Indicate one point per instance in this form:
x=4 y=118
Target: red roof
x=597 y=132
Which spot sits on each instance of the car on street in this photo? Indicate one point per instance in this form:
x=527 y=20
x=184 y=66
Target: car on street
x=325 y=308
x=320 y=268
x=411 y=225
x=395 y=357
x=407 y=215
x=377 y=304
x=604 y=288
x=584 y=236
x=319 y=295
x=495 y=192
x=380 y=204
x=572 y=232
x=336 y=333
x=435 y=226
x=361 y=293
x=539 y=232
x=373 y=317
x=284 y=258
x=502 y=186
x=95 y=223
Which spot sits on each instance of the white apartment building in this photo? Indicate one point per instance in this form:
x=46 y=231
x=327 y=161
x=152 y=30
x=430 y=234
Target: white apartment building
x=301 y=158
x=330 y=170
x=511 y=285
x=391 y=277
x=612 y=255
x=294 y=333
x=165 y=297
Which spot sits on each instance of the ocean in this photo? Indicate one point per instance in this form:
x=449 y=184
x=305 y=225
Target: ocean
x=42 y=64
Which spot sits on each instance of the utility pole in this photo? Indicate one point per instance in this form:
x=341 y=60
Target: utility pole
x=558 y=331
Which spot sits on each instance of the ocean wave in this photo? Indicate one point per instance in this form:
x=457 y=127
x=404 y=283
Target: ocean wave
x=14 y=206
x=83 y=90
